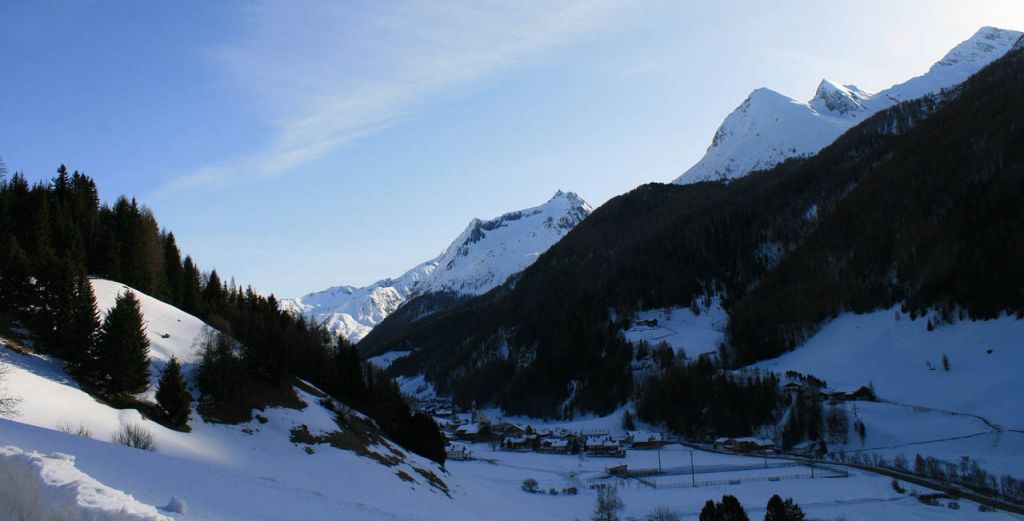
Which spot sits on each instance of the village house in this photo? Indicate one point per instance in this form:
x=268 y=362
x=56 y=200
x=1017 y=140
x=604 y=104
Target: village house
x=604 y=446
x=473 y=432
x=745 y=445
x=524 y=442
x=558 y=445
x=644 y=439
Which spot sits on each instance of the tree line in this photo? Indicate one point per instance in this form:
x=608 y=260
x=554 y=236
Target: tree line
x=700 y=401
x=54 y=235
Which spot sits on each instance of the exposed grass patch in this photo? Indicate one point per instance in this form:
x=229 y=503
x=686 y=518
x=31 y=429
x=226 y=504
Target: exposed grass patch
x=361 y=436
x=432 y=479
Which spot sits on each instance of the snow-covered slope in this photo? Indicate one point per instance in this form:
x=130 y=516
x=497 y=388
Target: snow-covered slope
x=974 y=409
x=481 y=258
x=903 y=360
x=769 y=127
x=209 y=466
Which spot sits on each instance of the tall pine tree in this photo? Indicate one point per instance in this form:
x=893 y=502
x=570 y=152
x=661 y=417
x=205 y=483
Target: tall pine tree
x=172 y=394
x=173 y=269
x=82 y=332
x=124 y=347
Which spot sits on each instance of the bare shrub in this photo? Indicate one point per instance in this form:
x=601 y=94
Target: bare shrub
x=78 y=430
x=663 y=514
x=135 y=436
x=608 y=505
x=10 y=405
x=529 y=485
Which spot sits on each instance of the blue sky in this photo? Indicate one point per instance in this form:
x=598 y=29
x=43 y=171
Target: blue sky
x=298 y=145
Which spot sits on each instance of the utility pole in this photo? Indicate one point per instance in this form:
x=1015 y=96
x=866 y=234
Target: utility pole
x=659 y=460
x=693 y=476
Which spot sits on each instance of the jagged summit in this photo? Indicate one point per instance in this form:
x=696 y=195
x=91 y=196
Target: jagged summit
x=769 y=127
x=483 y=256
x=839 y=99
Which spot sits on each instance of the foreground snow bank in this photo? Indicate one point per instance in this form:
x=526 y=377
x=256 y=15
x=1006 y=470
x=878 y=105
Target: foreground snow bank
x=38 y=486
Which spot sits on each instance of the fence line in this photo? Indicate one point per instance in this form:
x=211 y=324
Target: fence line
x=710 y=469
x=820 y=472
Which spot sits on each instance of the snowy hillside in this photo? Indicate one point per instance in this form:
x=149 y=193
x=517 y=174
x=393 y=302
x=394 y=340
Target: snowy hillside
x=263 y=454
x=481 y=258
x=769 y=127
x=903 y=360
x=974 y=409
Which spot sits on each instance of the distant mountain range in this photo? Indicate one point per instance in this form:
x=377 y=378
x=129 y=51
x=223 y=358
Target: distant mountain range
x=482 y=257
x=769 y=127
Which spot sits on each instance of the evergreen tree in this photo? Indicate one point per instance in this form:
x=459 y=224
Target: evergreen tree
x=627 y=421
x=55 y=286
x=779 y=510
x=191 y=288
x=709 y=512
x=172 y=394
x=730 y=509
x=83 y=332
x=16 y=289
x=124 y=347
x=173 y=270
x=213 y=292
x=425 y=438
x=349 y=385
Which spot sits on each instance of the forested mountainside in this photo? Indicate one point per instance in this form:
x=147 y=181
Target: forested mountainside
x=855 y=227
x=55 y=235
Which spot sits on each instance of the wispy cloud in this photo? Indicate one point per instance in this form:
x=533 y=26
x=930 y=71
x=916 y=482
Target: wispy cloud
x=330 y=72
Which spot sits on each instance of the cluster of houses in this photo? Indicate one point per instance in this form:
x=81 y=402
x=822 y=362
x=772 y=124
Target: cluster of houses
x=474 y=427
x=864 y=393
x=463 y=429
x=593 y=443
x=745 y=445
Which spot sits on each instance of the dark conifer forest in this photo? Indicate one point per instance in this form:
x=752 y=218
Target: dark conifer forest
x=55 y=235
x=918 y=206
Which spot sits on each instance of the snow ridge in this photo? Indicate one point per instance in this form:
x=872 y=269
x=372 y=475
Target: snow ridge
x=769 y=127
x=38 y=486
x=481 y=258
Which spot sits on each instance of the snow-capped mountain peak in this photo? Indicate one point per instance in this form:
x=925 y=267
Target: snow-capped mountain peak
x=839 y=99
x=769 y=127
x=979 y=48
x=482 y=257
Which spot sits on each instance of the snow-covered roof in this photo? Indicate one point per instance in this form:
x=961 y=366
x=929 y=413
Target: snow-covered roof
x=469 y=428
x=520 y=439
x=555 y=442
x=643 y=436
x=603 y=441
